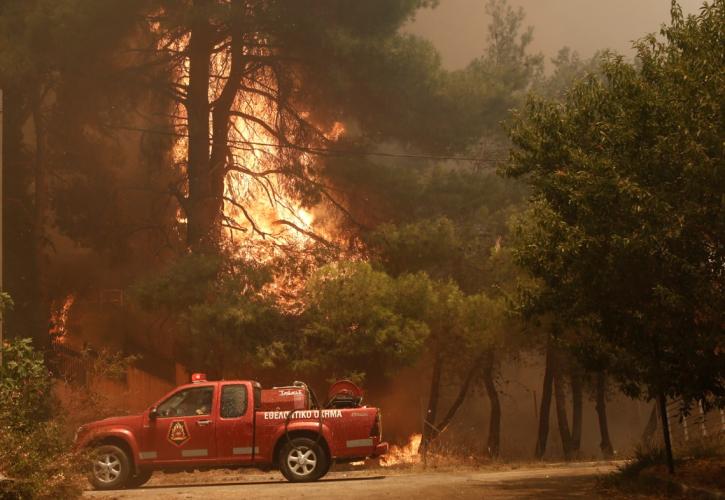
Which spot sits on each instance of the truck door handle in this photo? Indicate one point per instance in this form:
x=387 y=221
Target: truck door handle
x=203 y=422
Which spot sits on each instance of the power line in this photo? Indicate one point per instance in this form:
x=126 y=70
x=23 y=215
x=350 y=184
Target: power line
x=326 y=151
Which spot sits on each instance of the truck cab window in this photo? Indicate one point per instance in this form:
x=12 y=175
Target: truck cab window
x=188 y=403
x=234 y=401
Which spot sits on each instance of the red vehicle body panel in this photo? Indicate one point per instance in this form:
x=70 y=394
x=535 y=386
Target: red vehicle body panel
x=251 y=439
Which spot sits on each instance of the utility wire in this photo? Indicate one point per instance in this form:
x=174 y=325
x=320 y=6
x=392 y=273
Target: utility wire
x=325 y=151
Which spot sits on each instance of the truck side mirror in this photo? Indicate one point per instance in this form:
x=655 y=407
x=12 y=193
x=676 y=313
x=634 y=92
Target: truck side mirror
x=153 y=413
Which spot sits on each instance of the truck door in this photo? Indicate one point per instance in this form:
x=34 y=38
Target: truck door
x=234 y=431
x=184 y=428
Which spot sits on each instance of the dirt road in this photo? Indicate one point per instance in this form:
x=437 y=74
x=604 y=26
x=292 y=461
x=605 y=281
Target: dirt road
x=570 y=481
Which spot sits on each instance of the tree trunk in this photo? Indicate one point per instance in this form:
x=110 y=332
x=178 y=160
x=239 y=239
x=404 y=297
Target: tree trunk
x=432 y=412
x=200 y=205
x=577 y=408
x=561 y=417
x=666 y=433
x=433 y=429
x=460 y=398
x=543 y=434
x=601 y=405
x=41 y=337
x=494 y=426
x=208 y=144
x=651 y=428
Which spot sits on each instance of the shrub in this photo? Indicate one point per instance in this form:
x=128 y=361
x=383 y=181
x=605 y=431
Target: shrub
x=35 y=451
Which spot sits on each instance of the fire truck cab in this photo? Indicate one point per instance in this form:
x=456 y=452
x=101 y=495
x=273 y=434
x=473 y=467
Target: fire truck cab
x=231 y=424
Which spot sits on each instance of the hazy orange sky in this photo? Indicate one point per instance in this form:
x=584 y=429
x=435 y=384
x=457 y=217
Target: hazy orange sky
x=458 y=27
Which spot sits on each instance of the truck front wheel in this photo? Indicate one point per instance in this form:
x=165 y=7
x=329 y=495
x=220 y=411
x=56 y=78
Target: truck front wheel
x=139 y=479
x=302 y=459
x=110 y=467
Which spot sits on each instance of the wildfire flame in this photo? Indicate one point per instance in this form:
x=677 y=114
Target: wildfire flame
x=60 y=312
x=403 y=455
x=262 y=215
x=264 y=219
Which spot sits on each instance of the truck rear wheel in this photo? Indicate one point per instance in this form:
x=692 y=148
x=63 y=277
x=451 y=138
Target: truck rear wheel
x=302 y=460
x=110 y=467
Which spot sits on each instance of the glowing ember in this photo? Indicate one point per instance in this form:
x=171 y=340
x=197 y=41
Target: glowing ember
x=403 y=455
x=59 y=315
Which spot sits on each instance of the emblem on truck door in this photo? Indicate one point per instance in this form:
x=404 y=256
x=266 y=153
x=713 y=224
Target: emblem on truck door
x=178 y=433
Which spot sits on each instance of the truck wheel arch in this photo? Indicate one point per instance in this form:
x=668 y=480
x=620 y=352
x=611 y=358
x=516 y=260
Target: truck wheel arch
x=115 y=441
x=310 y=434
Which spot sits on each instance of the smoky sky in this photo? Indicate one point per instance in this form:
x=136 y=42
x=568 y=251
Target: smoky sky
x=458 y=28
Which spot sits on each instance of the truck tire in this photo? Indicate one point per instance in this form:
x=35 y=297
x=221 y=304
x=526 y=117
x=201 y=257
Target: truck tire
x=303 y=460
x=139 y=479
x=110 y=467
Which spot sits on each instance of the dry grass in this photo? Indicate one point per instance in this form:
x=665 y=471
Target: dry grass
x=701 y=465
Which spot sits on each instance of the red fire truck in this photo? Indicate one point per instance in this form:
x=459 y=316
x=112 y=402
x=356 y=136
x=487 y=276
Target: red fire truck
x=230 y=424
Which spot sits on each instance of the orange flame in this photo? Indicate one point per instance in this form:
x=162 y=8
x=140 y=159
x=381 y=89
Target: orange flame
x=403 y=455
x=262 y=215
x=60 y=312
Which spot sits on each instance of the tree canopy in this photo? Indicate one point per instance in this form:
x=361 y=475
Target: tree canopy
x=626 y=223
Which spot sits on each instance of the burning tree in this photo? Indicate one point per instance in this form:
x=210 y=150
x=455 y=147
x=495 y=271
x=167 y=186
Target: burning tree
x=262 y=92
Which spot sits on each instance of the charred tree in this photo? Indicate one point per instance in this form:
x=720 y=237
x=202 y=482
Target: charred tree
x=494 y=426
x=545 y=409
x=605 y=443
x=201 y=204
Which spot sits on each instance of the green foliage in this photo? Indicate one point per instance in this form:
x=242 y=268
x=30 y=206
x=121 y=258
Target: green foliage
x=39 y=464
x=358 y=68
x=68 y=49
x=364 y=321
x=569 y=67
x=431 y=245
x=506 y=70
x=34 y=447
x=24 y=385
x=625 y=232
x=222 y=311
x=6 y=303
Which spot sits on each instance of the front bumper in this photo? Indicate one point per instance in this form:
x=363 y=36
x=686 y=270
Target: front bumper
x=380 y=449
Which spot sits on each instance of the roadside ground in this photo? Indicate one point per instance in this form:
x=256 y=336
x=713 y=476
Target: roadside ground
x=538 y=481
x=702 y=477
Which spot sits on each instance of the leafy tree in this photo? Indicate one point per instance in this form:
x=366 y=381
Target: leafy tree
x=561 y=369
x=450 y=221
x=56 y=66
x=568 y=68
x=625 y=229
x=289 y=71
x=506 y=69
x=362 y=323
x=470 y=330
x=228 y=324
